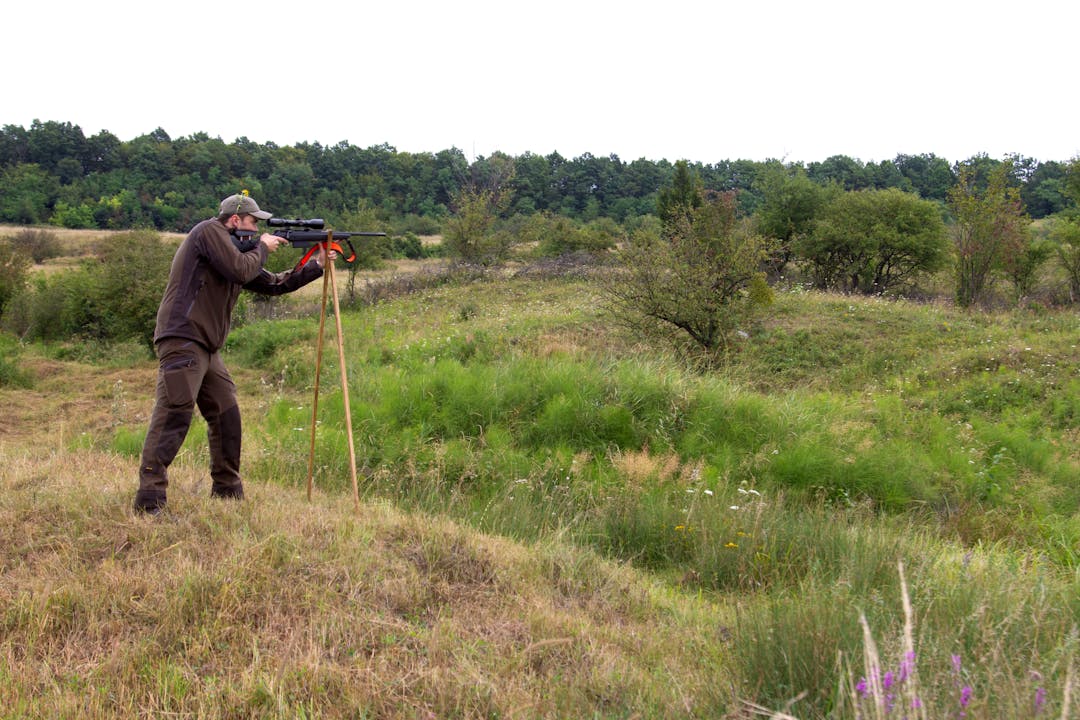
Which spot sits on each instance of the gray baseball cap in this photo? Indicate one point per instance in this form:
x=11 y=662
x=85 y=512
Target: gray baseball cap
x=243 y=205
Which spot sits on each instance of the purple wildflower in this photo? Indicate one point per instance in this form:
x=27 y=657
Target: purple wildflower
x=907 y=666
x=1040 y=699
x=965 y=698
x=862 y=687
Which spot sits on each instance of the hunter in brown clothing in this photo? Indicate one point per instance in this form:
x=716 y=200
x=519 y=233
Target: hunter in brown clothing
x=207 y=274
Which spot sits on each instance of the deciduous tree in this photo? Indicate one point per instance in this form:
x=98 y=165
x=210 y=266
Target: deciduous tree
x=470 y=231
x=871 y=241
x=14 y=264
x=698 y=278
x=791 y=204
x=989 y=225
x=930 y=176
x=1065 y=232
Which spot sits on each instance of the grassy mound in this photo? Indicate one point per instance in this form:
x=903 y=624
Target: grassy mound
x=277 y=608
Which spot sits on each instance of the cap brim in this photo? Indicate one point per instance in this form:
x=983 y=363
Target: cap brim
x=262 y=215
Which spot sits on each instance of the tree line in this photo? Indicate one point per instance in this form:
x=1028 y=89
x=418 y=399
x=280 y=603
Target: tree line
x=52 y=173
x=699 y=247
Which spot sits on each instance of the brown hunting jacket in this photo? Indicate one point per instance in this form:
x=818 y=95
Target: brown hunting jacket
x=205 y=279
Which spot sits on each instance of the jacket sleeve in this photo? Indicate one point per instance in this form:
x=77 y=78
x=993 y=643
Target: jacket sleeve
x=268 y=283
x=228 y=261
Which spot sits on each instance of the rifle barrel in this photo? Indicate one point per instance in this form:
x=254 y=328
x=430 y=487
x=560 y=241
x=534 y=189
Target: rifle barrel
x=305 y=238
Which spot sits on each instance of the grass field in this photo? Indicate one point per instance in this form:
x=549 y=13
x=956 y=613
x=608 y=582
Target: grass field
x=557 y=521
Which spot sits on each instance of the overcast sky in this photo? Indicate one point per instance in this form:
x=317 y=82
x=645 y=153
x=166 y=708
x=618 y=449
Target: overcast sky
x=705 y=81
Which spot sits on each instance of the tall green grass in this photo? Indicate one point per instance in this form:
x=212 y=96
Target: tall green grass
x=510 y=415
x=12 y=374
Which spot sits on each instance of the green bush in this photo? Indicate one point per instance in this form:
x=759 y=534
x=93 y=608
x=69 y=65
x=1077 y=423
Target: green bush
x=1022 y=267
x=112 y=297
x=408 y=245
x=39 y=244
x=419 y=225
x=1065 y=231
x=14 y=264
x=555 y=235
x=695 y=282
x=872 y=241
x=73 y=216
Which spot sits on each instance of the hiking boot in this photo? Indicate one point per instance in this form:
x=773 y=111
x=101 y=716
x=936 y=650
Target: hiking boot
x=150 y=500
x=152 y=511
x=235 y=492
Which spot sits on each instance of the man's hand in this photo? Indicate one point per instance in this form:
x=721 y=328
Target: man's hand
x=272 y=242
x=320 y=258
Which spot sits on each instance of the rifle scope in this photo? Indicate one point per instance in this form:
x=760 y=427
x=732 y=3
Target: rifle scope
x=313 y=223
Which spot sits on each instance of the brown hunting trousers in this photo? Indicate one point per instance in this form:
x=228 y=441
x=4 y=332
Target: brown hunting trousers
x=190 y=376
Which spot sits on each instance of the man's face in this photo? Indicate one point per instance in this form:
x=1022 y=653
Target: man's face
x=244 y=222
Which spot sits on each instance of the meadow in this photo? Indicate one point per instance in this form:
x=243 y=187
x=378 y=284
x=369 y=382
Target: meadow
x=869 y=509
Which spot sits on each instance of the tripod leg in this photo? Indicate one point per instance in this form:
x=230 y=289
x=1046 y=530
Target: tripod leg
x=318 y=368
x=345 y=390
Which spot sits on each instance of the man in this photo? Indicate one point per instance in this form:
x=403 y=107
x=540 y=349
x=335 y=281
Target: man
x=207 y=274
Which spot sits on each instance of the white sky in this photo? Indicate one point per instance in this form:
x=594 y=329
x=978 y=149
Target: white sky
x=704 y=81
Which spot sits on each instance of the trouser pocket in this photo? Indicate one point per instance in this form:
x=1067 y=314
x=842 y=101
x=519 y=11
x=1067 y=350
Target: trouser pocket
x=179 y=377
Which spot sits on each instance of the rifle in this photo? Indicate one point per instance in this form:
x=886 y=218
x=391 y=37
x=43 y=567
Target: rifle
x=309 y=234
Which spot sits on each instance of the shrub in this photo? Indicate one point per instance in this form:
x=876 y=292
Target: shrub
x=990 y=227
x=112 y=297
x=1066 y=233
x=698 y=278
x=871 y=241
x=556 y=235
x=73 y=216
x=419 y=225
x=14 y=264
x=470 y=233
x=39 y=245
x=407 y=245
x=1022 y=268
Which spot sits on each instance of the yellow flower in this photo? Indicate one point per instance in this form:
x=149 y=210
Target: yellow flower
x=731 y=545
x=679 y=527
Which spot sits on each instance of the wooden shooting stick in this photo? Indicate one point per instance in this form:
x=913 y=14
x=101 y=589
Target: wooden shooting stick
x=328 y=280
x=318 y=374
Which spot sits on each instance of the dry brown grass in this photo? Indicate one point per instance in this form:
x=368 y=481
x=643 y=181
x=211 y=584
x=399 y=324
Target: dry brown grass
x=68 y=398
x=641 y=467
x=273 y=607
x=80 y=242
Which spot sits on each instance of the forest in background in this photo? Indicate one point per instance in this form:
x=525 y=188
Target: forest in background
x=52 y=173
